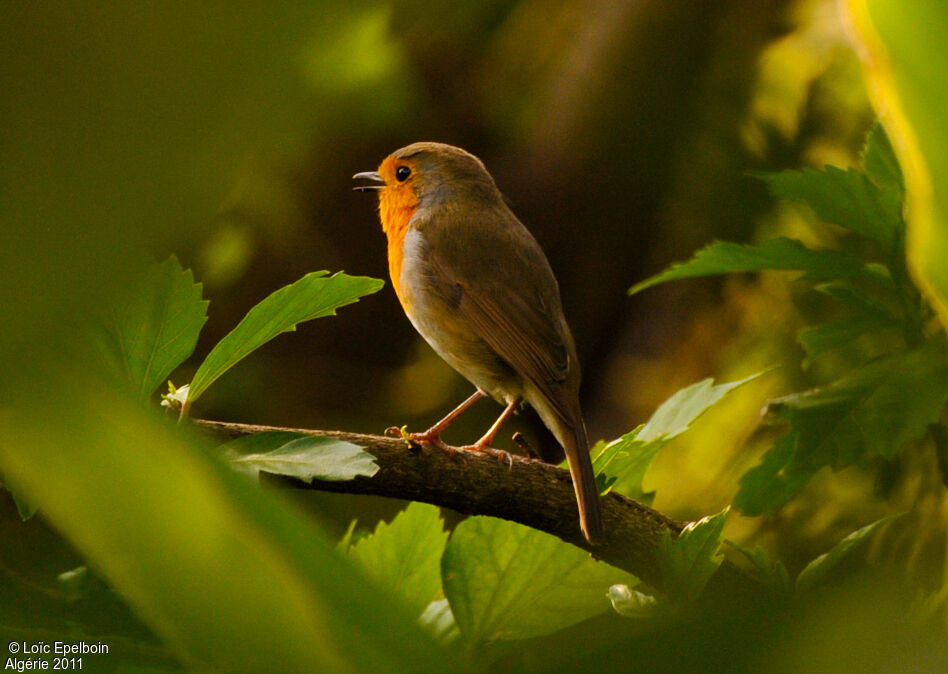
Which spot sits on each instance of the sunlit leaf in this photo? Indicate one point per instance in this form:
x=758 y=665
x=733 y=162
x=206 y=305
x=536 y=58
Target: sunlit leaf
x=405 y=555
x=313 y=296
x=689 y=561
x=626 y=459
x=817 y=569
x=722 y=257
x=153 y=327
x=507 y=581
x=902 y=45
x=312 y=457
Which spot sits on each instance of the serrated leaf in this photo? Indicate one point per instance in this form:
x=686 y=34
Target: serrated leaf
x=722 y=257
x=674 y=416
x=772 y=574
x=689 y=561
x=880 y=162
x=817 y=569
x=874 y=410
x=405 y=556
x=843 y=197
x=818 y=339
x=313 y=296
x=153 y=327
x=626 y=459
x=311 y=458
x=772 y=482
x=507 y=581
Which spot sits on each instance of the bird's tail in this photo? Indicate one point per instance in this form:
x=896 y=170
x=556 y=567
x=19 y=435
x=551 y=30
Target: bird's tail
x=574 y=441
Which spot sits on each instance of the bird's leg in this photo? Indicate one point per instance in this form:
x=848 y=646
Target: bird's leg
x=483 y=445
x=433 y=435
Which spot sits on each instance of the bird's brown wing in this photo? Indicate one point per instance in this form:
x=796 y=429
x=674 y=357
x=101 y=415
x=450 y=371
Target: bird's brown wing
x=505 y=290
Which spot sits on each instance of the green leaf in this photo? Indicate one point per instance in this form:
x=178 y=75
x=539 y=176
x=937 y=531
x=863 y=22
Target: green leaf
x=774 y=481
x=722 y=257
x=25 y=506
x=818 y=339
x=507 y=581
x=689 y=561
x=817 y=569
x=226 y=574
x=675 y=415
x=313 y=296
x=845 y=198
x=903 y=47
x=626 y=459
x=154 y=325
x=872 y=411
x=405 y=556
x=312 y=458
x=880 y=162
x=772 y=574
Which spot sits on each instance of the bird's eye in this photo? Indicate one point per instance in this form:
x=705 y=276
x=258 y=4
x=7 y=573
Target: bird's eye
x=402 y=173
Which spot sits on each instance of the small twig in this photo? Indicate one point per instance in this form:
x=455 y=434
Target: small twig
x=530 y=492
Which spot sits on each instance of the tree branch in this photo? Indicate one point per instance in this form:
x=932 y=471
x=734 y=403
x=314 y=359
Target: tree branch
x=529 y=491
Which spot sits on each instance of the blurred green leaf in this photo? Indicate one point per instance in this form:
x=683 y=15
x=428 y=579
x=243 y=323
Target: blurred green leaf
x=723 y=257
x=405 y=556
x=845 y=198
x=818 y=339
x=880 y=162
x=902 y=45
x=772 y=482
x=223 y=572
x=816 y=570
x=24 y=506
x=689 y=561
x=872 y=411
x=313 y=296
x=507 y=581
x=153 y=326
x=312 y=458
x=772 y=574
x=626 y=459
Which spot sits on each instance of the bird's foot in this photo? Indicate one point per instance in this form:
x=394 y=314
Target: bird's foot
x=484 y=448
x=416 y=440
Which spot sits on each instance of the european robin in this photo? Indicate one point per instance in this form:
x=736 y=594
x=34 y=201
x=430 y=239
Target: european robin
x=476 y=285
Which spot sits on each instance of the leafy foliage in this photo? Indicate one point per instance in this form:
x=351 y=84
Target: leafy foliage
x=689 y=561
x=404 y=556
x=309 y=457
x=313 y=296
x=891 y=397
x=154 y=325
x=507 y=581
x=621 y=464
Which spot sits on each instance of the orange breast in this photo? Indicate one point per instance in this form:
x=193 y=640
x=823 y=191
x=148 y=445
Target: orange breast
x=397 y=204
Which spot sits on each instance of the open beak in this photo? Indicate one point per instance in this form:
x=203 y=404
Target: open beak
x=368 y=175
